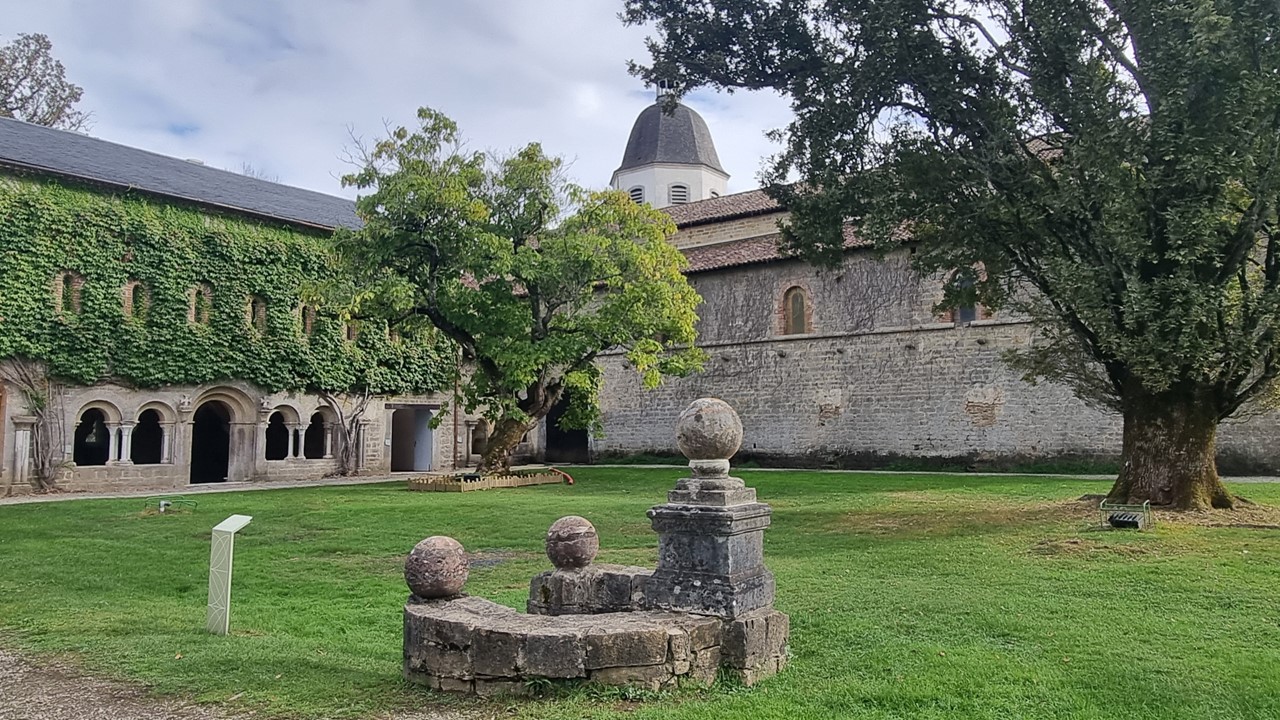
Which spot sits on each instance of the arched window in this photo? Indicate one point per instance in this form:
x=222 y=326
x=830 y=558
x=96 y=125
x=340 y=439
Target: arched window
x=67 y=293
x=715 y=194
x=679 y=194
x=258 y=314
x=201 y=303
x=148 y=439
x=637 y=194
x=136 y=300
x=308 y=320
x=967 y=311
x=795 y=311
x=277 y=437
x=92 y=439
x=313 y=441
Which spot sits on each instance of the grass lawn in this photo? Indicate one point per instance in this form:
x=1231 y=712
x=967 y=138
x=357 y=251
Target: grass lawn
x=910 y=597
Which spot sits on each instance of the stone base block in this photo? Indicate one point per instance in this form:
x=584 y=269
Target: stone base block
x=754 y=646
x=591 y=590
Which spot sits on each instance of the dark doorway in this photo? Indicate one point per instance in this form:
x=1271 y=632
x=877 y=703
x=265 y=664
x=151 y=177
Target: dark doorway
x=277 y=437
x=148 y=437
x=565 y=446
x=313 y=441
x=403 y=427
x=210 y=443
x=92 y=442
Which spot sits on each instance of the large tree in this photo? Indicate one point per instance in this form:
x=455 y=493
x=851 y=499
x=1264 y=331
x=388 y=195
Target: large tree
x=1108 y=167
x=34 y=87
x=530 y=275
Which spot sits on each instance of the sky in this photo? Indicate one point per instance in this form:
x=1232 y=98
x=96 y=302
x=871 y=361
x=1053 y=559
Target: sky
x=281 y=85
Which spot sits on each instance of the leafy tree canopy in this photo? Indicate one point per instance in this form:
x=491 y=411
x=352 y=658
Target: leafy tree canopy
x=1108 y=167
x=531 y=276
x=34 y=87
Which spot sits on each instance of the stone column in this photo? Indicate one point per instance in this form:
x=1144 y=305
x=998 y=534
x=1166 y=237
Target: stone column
x=166 y=439
x=126 y=443
x=329 y=430
x=295 y=447
x=711 y=546
x=113 y=443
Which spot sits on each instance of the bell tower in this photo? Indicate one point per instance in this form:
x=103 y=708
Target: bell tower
x=670 y=158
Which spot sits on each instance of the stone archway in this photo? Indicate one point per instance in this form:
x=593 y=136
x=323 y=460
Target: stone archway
x=211 y=442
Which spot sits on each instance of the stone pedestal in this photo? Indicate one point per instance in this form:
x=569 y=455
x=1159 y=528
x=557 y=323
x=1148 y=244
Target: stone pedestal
x=710 y=559
x=711 y=546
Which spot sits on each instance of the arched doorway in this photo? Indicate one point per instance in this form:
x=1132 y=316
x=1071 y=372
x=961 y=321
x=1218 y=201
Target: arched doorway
x=277 y=437
x=148 y=439
x=92 y=439
x=313 y=442
x=411 y=440
x=210 y=442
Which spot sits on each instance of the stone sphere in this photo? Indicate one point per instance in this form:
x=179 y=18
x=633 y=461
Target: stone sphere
x=572 y=542
x=709 y=430
x=436 y=568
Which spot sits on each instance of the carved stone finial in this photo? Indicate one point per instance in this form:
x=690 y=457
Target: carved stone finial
x=709 y=433
x=436 y=568
x=572 y=543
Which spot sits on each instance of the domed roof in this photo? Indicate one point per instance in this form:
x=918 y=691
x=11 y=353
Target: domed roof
x=681 y=138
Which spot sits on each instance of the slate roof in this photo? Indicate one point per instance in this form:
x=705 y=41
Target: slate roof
x=725 y=207
x=748 y=251
x=34 y=148
x=681 y=137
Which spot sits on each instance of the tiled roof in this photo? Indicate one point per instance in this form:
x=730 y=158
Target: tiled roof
x=725 y=207
x=67 y=154
x=748 y=251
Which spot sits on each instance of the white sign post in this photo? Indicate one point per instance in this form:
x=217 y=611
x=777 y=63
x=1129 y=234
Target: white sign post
x=220 y=552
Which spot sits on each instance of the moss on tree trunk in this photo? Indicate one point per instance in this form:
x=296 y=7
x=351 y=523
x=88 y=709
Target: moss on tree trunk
x=1168 y=455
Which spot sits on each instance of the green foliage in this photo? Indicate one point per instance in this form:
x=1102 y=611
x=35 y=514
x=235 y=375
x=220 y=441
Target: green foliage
x=106 y=242
x=533 y=277
x=1111 y=167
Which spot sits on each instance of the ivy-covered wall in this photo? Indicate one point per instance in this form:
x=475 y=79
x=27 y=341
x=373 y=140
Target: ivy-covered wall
x=101 y=243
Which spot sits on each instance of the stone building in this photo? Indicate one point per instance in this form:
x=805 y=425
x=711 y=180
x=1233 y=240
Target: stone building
x=113 y=434
x=854 y=366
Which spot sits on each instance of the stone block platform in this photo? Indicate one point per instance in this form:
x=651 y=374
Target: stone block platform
x=470 y=644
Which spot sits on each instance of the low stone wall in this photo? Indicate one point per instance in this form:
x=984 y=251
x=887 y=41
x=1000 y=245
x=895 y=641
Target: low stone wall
x=470 y=644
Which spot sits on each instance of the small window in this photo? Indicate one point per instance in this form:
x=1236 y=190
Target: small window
x=967 y=312
x=637 y=194
x=308 y=320
x=67 y=293
x=715 y=194
x=200 y=304
x=795 y=312
x=679 y=194
x=258 y=314
x=136 y=299
x=352 y=332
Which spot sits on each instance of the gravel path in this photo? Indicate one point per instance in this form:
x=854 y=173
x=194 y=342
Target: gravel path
x=51 y=690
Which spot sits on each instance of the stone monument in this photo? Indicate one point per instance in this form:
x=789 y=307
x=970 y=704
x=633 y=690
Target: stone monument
x=707 y=608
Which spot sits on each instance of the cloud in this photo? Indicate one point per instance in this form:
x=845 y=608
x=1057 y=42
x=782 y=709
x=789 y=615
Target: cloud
x=277 y=83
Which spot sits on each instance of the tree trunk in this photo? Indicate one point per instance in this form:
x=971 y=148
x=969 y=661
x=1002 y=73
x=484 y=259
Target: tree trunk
x=1169 y=448
x=506 y=435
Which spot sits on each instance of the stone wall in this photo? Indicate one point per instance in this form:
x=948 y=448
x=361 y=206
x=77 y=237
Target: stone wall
x=859 y=399
x=471 y=645
x=708 y=233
